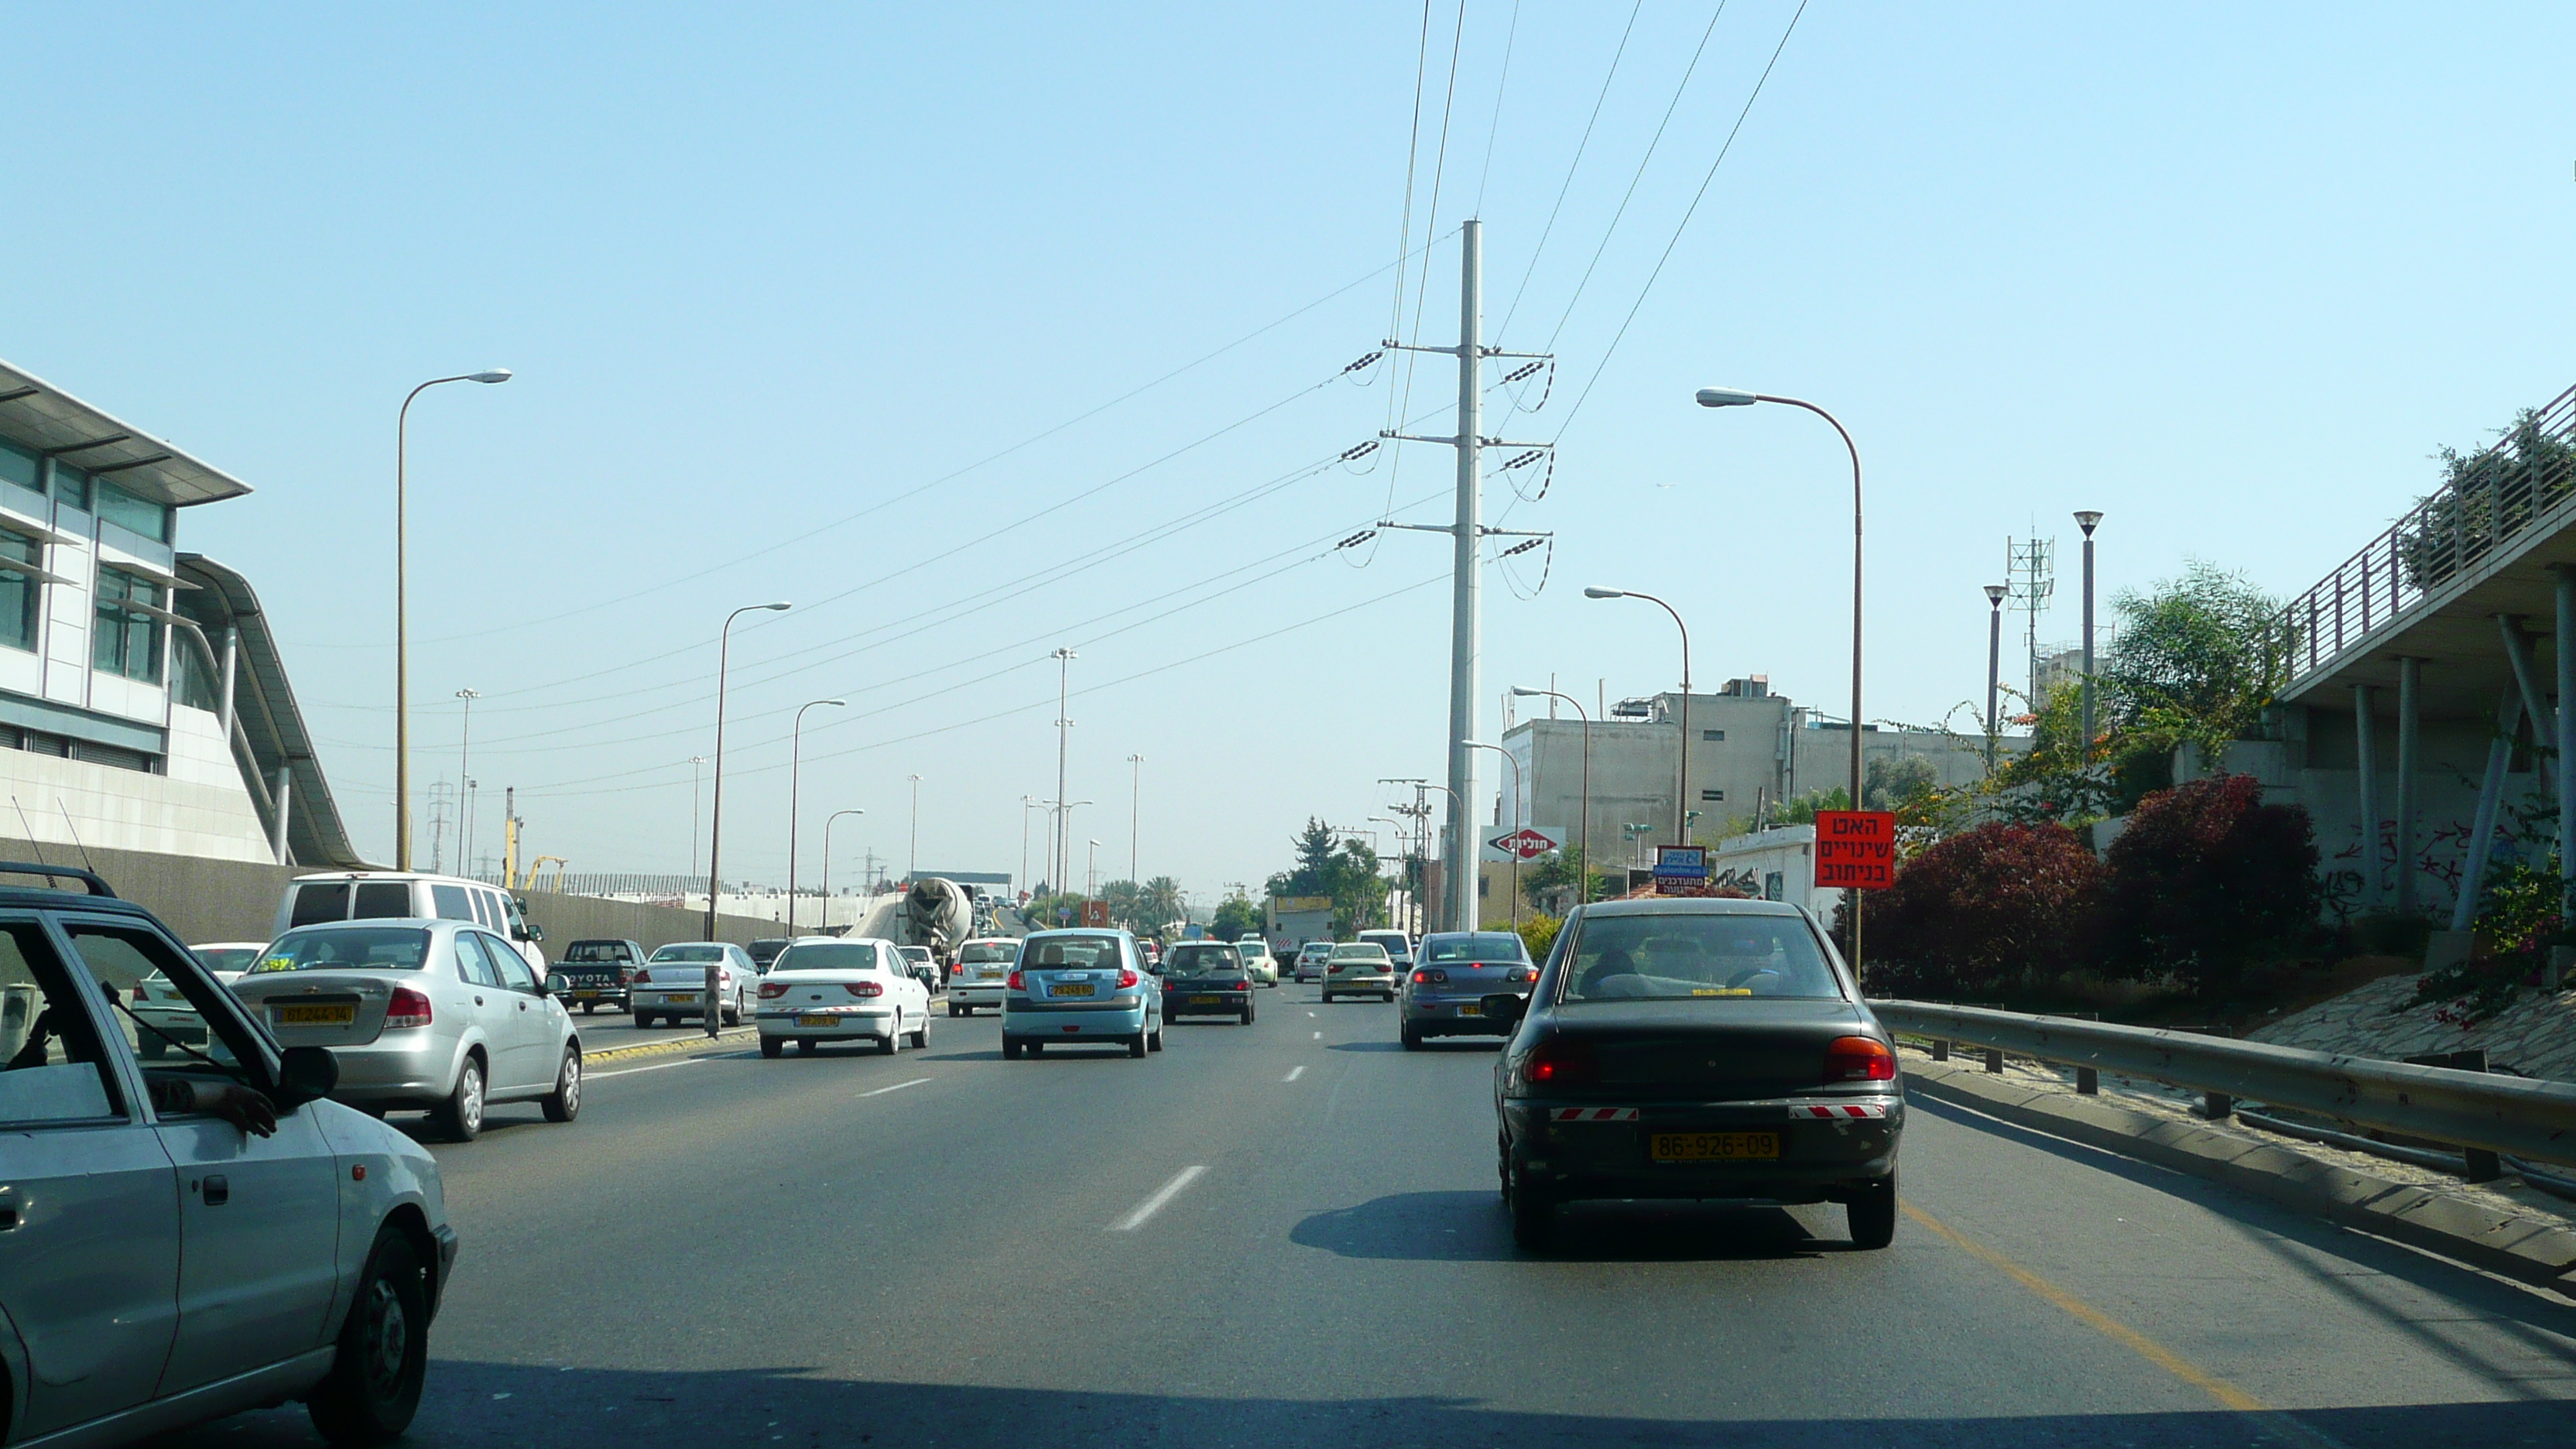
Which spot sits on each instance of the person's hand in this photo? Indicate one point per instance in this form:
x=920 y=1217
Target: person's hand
x=240 y=1106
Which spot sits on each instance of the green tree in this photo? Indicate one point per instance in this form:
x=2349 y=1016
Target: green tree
x=1236 y=916
x=1347 y=870
x=2196 y=658
x=1563 y=867
x=1160 y=902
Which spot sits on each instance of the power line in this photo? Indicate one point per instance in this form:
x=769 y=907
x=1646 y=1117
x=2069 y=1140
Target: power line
x=1687 y=214
x=1570 y=167
x=1500 y=86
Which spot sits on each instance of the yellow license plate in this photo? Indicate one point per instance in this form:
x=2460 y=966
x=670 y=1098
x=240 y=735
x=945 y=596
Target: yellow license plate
x=1470 y=1008
x=987 y=975
x=583 y=995
x=1204 y=1000
x=1715 y=1147
x=316 y=1015
x=1071 y=988
x=818 y=1021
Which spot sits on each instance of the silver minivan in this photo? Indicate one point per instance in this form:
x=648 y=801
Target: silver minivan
x=388 y=895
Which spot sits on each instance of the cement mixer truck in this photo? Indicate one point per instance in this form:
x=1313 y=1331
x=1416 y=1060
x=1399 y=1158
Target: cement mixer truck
x=935 y=913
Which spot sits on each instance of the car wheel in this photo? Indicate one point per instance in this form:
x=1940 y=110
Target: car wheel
x=1010 y=1050
x=731 y=1015
x=374 y=1385
x=1412 y=1038
x=461 y=1115
x=921 y=1034
x=1247 y=1013
x=773 y=1047
x=892 y=1041
x=150 y=1048
x=1533 y=1214
x=564 y=1102
x=643 y=1021
x=953 y=1010
x=805 y=1046
x=1037 y=1048
x=1155 y=1042
x=1872 y=1214
x=588 y=1007
x=1136 y=1045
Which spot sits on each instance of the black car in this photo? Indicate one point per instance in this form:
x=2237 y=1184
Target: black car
x=766 y=950
x=1206 y=978
x=1706 y=1049
x=600 y=973
x=1444 y=993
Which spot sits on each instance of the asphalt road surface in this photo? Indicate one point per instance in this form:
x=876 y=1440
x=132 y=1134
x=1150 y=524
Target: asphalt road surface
x=1288 y=1235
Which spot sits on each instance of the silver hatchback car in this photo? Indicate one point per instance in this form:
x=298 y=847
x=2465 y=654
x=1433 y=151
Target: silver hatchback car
x=420 y=1013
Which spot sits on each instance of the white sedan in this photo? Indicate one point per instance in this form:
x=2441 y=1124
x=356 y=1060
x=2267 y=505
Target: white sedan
x=831 y=988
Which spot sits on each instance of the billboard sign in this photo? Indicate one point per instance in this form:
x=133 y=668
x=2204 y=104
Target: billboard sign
x=1681 y=863
x=1095 y=913
x=1855 y=850
x=1524 y=845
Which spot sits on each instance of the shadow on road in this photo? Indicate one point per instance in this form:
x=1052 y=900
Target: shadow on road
x=584 y=1408
x=1469 y=1227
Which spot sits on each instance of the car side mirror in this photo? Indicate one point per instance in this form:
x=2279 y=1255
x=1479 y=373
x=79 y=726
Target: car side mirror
x=305 y=1074
x=553 y=984
x=1503 y=1006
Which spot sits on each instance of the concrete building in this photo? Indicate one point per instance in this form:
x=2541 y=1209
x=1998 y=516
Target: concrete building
x=1749 y=749
x=143 y=703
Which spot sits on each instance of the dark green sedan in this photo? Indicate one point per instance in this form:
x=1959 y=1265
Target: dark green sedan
x=1206 y=978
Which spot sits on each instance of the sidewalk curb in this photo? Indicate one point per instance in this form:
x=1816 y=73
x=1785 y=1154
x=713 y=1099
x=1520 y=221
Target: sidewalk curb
x=2540 y=1254
x=696 y=1041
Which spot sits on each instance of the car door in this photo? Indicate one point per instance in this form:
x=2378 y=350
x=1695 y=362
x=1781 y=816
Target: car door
x=499 y=1007
x=89 y=1201
x=540 y=1018
x=259 y=1217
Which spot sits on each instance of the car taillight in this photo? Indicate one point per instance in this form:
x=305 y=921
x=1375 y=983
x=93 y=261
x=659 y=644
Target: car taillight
x=1431 y=977
x=1560 y=1063
x=625 y=976
x=724 y=978
x=139 y=997
x=1526 y=973
x=1244 y=985
x=772 y=990
x=1126 y=979
x=408 y=1009
x=643 y=978
x=864 y=989
x=1015 y=983
x=1859 y=1059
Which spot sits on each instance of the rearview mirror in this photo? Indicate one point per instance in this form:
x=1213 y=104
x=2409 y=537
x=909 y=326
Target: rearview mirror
x=1503 y=1006
x=555 y=984
x=305 y=1074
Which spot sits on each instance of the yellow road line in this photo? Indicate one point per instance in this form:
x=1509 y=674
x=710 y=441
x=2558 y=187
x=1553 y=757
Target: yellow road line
x=2227 y=1394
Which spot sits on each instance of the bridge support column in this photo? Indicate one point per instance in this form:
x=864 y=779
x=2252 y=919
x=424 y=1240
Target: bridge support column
x=2410 y=730
x=2365 y=741
x=2473 y=871
x=2564 y=647
x=2535 y=700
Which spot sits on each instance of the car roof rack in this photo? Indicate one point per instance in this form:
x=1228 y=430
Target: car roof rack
x=97 y=887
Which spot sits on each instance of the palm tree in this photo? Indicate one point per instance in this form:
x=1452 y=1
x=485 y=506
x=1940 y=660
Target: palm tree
x=1160 y=902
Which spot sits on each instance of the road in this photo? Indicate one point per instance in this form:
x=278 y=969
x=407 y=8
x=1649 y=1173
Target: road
x=1287 y=1234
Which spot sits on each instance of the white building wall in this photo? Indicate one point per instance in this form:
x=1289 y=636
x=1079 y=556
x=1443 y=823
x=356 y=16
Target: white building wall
x=197 y=809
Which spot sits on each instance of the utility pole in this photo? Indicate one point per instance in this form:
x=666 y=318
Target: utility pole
x=694 y=762
x=913 y=866
x=1135 y=812
x=1467 y=535
x=1994 y=666
x=1059 y=861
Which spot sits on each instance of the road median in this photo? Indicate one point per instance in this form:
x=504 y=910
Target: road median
x=695 y=1041
x=2484 y=1228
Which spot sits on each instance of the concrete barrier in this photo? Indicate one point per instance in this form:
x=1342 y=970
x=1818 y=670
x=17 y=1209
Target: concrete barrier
x=236 y=900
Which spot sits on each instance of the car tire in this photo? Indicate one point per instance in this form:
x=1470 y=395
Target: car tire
x=773 y=1047
x=731 y=1015
x=953 y=1010
x=1037 y=1048
x=1155 y=1041
x=643 y=1021
x=374 y=1385
x=1247 y=1013
x=564 y=1102
x=460 y=1117
x=1412 y=1039
x=1136 y=1045
x=921 y=1034
x=588 y=1007
x=805 y=1046
x=1010 y=1050
x=892 y=1041
x=1533 y=1211
x=1871 y=1214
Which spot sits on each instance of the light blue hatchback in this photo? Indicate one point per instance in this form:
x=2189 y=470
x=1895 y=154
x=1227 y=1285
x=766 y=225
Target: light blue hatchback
x=1081 y=988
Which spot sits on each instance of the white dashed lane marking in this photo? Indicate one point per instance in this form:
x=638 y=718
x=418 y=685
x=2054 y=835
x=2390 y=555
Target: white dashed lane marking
x=1162 y=1196
x=1293 y=1074
x=897 y=1087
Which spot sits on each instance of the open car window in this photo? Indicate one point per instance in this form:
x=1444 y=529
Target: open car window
x=1697 y=957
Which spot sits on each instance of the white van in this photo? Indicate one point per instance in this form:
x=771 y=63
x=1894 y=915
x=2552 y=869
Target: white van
x=1399 y=947
x=362 y=895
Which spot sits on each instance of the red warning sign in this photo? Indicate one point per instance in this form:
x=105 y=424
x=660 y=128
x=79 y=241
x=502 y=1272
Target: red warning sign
x=1855 y=850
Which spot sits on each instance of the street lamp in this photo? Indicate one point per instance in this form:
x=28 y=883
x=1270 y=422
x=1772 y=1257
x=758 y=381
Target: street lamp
x=1404 y=861
x=827 y=861
x=1027 y=804
x=2088 y=519
x=1509 y=759
x=1582 y=826
x=715 y=816
x=1061 y=825
x=1060 y=851
x=912 y=867
x=1091 y=873
x=795 y=769
x=1736 y=397
x=402 y=611
x=1994 y=667
x=694 y=762
x=1135 y=809
x=1681 y=797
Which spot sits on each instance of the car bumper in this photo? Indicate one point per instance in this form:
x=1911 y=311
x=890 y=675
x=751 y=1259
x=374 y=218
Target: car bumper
x=677 y=1003
x=595 y=996
x=1599 y=1150
x=393 y=1070
x=1206 y=1003
x=1056 y=1023
x=1450 y=1016
x=875 y=1022
x=977 y=993
x=1371 y=985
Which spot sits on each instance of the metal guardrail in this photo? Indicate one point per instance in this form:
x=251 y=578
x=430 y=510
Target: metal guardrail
x=2526 y=481
x=2474 y=1109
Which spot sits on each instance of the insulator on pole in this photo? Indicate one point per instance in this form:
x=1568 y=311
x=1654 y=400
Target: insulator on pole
x=1364 y=361
x=1528 y=369
x=1525 y=459
x=1356 y=539
x=1358 y=451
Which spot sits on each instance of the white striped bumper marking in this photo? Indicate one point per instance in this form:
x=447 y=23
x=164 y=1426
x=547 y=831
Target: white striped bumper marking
x=1592 y=1114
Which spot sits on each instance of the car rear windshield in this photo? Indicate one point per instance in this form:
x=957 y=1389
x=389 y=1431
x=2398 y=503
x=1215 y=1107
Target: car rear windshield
x=690 y=953
x=1359 y=951
x=226 y=958
x=1204 y=960
x=915 y=953
x=597 y=951
x=829 y=956
x=321 y=901
x=1480 y=946
x=1393 y=945
x=989 y=953
x=382 y=948
x=1071 y=951
x=1697 y=957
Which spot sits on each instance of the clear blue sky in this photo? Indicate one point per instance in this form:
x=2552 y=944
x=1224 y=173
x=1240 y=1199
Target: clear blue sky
x=2228 y=273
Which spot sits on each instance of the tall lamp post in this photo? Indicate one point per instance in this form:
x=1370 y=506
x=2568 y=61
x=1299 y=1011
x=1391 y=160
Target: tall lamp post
x=1135 y=812
x=1681 y=798
x=1508 y=759
x=827 y=860
x=1582 y=826
x=715 y=813
x=1027 y=804
x=694 y=781
x=1404 y=845
x=795 y=772
x=1994 y=668
x=1091 y=873
x=1060 y=850
x=402 y=609
x=1736 y=397
x=912 y=866
x=464 y=744
x=2088 y=519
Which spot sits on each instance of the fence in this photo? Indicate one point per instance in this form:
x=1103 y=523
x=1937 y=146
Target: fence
x=2479 y=1112
x=2518 y=487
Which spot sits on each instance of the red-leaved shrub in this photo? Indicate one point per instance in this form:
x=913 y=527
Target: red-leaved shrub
x=2206 y=879
x=1983 y=911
